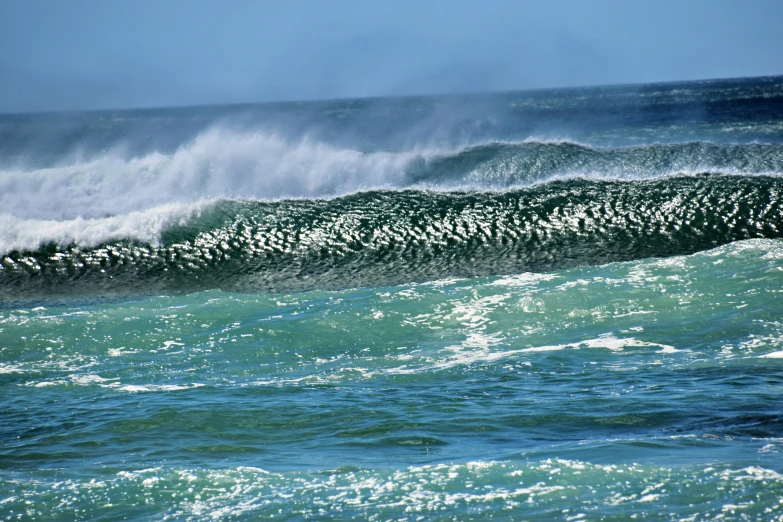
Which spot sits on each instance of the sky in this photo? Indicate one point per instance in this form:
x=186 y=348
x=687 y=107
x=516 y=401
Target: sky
x=93 y=54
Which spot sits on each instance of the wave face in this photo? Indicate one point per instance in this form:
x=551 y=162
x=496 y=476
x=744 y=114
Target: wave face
x=390 y=237
x=502 y=165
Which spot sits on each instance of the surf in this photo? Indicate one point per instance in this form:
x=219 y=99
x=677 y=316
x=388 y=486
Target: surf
x=390 y=237
x=262 y=165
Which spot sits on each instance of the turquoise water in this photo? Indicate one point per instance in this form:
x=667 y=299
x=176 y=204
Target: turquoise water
x=519 y=330
x=640 y=387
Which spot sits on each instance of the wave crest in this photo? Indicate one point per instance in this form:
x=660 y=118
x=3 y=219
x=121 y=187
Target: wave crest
x=221 y=163
x=217 y=164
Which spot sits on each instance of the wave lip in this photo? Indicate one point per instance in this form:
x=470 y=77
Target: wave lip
x=30 y=235
x=391 y=237
x=218 y=163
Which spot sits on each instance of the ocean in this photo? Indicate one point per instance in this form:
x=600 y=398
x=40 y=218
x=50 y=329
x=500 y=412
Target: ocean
x=562 y=304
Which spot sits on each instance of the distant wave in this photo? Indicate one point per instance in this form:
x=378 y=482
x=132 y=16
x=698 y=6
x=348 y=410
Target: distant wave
x=256 y=165
x=504 y=164
x=390 y=237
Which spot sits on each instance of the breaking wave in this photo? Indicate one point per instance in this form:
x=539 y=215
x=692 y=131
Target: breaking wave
x=256 y=165
x=388 y=237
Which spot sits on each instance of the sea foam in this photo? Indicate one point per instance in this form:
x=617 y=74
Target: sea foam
x=146 y=226
x=217 y=163
x=112 y=196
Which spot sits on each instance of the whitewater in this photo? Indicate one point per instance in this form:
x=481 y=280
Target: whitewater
x=557 y=304
x=115 y=197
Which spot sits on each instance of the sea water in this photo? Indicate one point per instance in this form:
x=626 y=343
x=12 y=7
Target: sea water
x=548 y=305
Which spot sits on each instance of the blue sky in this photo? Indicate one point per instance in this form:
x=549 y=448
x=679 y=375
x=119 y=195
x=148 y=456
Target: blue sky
x=79 y=54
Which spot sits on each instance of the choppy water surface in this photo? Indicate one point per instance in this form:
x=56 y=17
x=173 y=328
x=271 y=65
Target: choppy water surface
x=517 y=327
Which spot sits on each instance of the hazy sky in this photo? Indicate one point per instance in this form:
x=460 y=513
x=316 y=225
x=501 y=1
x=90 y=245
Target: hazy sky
x=80 y=54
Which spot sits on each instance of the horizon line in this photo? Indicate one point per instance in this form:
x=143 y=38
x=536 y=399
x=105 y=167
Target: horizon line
x=381 y=97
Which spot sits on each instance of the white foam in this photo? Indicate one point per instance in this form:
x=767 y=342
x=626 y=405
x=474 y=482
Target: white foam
x=11 y=368
x=112 y=196
x=225 y=163
x=478 y=348
x=146 y=226
x=752 y=473
x=219 y=163
x=89 y=379
x=136 y=388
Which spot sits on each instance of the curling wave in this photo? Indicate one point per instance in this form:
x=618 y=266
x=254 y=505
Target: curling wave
x=389 y=237
x=220 y=163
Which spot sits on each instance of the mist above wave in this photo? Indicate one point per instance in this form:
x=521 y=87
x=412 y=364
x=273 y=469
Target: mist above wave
x=223 y=163
x=217 y=163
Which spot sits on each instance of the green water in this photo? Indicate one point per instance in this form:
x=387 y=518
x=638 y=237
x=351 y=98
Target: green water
x=648 y=388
